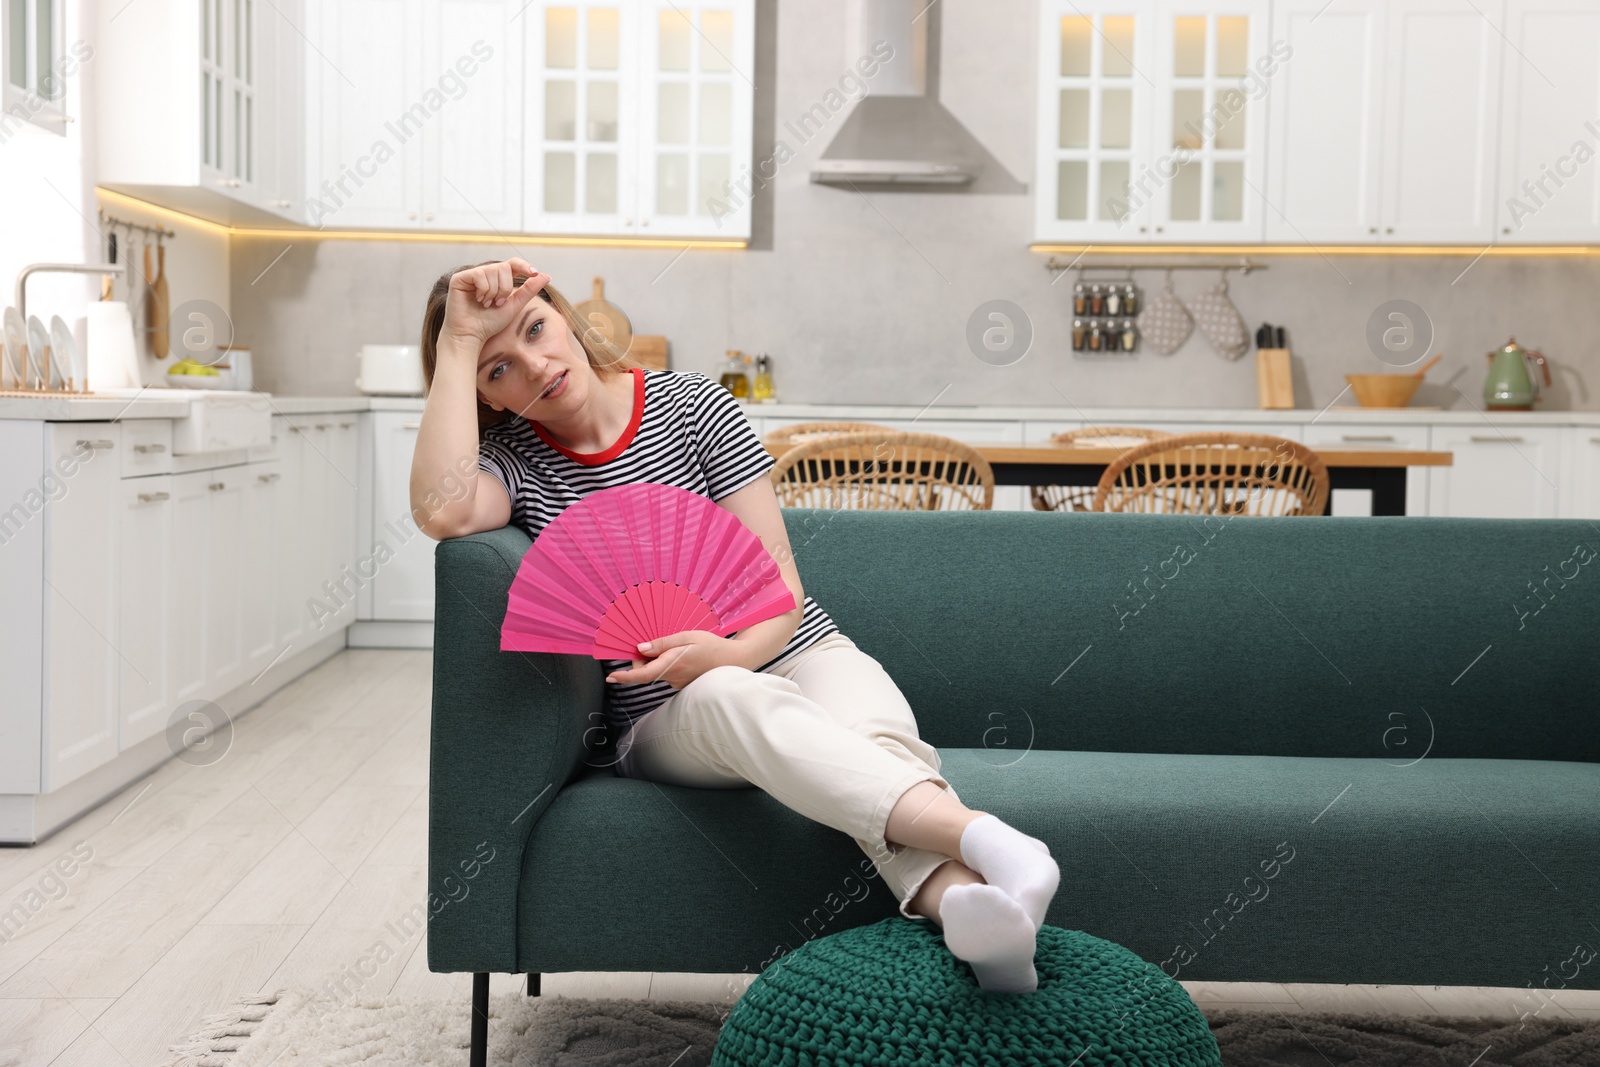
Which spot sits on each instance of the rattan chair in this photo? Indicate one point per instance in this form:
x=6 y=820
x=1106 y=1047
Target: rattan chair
x=1081 y=497
x=804 y=431
x=884 y=470
x=1216 y=474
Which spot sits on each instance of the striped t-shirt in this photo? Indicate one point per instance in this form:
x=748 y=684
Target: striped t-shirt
x=686 y=431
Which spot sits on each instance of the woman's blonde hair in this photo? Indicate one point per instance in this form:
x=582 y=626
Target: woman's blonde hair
x=605 y=357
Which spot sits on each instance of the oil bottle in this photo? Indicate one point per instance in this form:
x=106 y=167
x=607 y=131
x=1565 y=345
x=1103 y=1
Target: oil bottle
x=734 y=379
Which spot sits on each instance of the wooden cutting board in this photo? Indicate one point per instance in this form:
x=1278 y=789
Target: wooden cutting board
x=605 y=317
x=649 y=349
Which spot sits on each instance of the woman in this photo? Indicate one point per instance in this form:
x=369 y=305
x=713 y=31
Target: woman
x=551 y=412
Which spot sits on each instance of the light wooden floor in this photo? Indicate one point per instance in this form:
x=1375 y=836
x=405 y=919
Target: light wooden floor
x=291 y=858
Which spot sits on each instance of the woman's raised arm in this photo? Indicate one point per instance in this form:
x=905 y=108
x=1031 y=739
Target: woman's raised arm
x=450 y=496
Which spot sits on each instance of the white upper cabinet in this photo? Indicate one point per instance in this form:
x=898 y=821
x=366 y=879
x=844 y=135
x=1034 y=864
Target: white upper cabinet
x=1152 y=121
x=1549 y=190
x=1442 y=107
x=1212 y=62
x=418 y=118
x=198 y=105
x=1326 y=122
x=639 y=117
x=1094 y=120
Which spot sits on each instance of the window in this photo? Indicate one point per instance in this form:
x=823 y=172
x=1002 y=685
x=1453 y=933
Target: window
x=36 y=65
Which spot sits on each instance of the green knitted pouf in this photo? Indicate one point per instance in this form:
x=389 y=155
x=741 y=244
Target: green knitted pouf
x=891 y=993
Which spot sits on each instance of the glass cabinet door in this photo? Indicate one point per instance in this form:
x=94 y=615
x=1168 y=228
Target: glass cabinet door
x=1094 y=118
x=582 y=117
x=697 y=69
x=1213 y=70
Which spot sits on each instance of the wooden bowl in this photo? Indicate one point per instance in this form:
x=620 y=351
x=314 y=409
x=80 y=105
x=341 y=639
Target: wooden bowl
x=1384 y=390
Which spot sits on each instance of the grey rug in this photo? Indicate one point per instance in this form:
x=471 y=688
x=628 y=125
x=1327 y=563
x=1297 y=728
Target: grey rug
x=288 y=1029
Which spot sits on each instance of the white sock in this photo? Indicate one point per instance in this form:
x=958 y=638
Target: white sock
x=1008 y=858
x=985 y=927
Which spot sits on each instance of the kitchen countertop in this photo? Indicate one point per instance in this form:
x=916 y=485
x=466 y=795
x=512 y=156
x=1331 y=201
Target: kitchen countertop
x=170 y=404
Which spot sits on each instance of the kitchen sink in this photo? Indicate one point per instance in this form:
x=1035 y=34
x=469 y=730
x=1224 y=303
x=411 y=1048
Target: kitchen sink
x=220 y=419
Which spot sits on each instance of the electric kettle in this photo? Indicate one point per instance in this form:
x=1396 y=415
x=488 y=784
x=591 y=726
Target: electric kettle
x=1512 y=384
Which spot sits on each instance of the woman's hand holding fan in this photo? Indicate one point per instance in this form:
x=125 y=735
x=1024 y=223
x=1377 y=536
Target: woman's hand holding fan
x=642 y=563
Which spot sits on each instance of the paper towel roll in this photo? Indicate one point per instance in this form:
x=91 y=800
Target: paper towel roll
x=113 y=363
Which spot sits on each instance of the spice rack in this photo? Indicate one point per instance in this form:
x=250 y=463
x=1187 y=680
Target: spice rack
x=1105 y=311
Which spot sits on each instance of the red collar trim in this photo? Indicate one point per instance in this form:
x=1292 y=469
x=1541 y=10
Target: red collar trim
x=616 y=449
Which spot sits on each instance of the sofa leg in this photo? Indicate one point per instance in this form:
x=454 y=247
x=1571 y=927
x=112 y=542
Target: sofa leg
x=480 y=1020
x=533 y=983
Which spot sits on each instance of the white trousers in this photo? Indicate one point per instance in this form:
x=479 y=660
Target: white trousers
x=828 y=734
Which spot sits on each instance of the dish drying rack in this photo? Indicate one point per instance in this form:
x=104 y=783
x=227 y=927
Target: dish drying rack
x=72 y=389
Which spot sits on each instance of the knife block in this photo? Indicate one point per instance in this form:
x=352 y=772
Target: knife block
x=1274 y=379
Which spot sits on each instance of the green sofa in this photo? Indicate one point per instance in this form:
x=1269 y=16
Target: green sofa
x=1279 y=749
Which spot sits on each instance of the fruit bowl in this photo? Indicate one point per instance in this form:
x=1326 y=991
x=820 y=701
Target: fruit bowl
x=197 y=381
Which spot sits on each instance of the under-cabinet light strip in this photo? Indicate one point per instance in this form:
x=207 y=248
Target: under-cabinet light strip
x=1319 y=250
x=291 y=234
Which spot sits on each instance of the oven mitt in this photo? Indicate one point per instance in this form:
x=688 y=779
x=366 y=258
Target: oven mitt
x=1220 y=322
x=1166 y=323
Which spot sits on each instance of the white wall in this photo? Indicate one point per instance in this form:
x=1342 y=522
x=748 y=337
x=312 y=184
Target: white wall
x=48 y=211
x=46 y=194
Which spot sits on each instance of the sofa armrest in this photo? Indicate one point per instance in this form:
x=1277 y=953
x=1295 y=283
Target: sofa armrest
x=508 y=732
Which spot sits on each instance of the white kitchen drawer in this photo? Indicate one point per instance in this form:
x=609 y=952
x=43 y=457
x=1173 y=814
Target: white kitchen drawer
x=146 y=447
x=1359 y=501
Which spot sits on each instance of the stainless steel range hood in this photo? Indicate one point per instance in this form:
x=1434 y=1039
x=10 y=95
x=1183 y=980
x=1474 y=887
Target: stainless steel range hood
x=899 y=133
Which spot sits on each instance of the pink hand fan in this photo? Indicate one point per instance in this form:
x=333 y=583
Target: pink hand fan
x=636 y=562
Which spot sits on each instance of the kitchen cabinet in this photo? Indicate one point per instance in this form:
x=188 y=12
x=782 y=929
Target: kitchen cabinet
x=1580 y=495
x=639 y=117
x=264 y=498
x=225 y=77
x=417 y=118
x=1384 y=122
x=1549 y=191
x=1326 y=122
x=1502 y=471
x=1150 y=128
x=80 y=602
x=1389 y=435
x=147 y=560
x=1442 y=109
x=402 y=590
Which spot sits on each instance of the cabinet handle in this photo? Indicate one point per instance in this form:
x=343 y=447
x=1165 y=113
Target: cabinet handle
x=418 y=426
x=322 y=426
x=1492 y=439
x=149 y=448
x=1372 y=229
x=282 y=203
x=1368 y=437
x=428 y=217
x=346 y=425
x=269 y=477
x=411 y=214
x=1505 y=229
x=153 y=498
x=1388 y=229
x=97 y=444
x=297 y=429
x=217 y=486
x=1594 y=440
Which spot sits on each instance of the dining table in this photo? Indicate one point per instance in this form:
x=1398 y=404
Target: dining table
x=1379 y=469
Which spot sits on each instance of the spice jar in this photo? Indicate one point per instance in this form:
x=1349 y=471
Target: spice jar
x=1079 y=332
x=1113 y=300
x=1130 y=300
x=1080 y=299
x=1096 y=336
x=1129 y=336
x=1097 y=300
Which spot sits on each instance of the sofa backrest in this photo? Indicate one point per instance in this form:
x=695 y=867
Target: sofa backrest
x=1391 y=638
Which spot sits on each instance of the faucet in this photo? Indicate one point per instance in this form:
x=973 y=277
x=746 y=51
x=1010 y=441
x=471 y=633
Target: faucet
x=59 y=268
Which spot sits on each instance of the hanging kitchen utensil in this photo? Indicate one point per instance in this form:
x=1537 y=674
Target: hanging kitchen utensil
x=161 y=307
x=1167 y=323
x=1219 y=321
x=605 y=318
